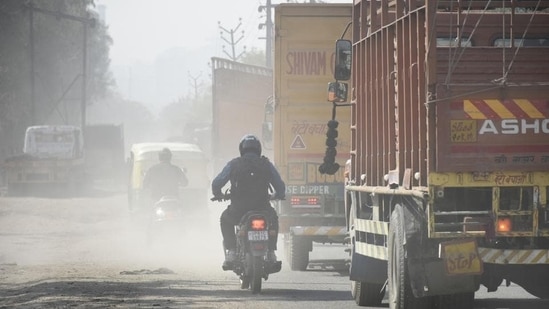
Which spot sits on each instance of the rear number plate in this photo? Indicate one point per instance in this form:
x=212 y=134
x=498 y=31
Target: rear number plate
x=258 y=235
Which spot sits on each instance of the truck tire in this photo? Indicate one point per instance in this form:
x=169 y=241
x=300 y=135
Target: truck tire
x=367 y=294
x=299 y=253
x=400 y=290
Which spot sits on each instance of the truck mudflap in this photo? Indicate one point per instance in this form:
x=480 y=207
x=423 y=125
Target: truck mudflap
x=455 y=270
x=367 y=269
x=429 y=278
x=319 y=230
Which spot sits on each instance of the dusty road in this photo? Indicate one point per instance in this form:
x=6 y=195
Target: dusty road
x=91 y=253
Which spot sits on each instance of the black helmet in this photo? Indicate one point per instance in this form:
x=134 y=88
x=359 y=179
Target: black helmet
x=165 y=155
x=249 y=143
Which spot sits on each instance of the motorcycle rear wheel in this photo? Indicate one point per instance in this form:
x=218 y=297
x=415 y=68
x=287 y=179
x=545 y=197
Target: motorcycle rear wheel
x=257 y=274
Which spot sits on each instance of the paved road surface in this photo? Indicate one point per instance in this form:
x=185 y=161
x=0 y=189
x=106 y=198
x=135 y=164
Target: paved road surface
x=91 y=253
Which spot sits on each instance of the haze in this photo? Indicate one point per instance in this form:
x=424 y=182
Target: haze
x=160 y=46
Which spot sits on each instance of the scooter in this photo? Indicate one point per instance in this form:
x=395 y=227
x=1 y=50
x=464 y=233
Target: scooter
x=252 y=245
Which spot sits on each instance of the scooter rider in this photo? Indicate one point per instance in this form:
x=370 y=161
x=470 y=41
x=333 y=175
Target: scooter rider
x=164 y=178
x=250 y=176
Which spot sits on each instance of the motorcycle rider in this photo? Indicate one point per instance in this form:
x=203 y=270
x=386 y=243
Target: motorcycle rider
x=164 y=178
x=246 y=195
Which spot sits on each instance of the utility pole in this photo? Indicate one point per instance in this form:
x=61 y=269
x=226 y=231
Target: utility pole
x=268 y=31
x=31 y=37
x=194 y=83
x=232 y=41
x=85 y=21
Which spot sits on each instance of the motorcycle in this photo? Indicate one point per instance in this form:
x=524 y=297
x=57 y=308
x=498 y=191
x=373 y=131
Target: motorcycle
x=252 y=246
x=167 y=220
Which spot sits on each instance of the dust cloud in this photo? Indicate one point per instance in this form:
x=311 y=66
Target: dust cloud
x=101 y=232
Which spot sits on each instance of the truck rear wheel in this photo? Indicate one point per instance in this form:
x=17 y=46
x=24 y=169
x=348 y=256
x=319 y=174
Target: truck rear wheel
x=400 y=290
x=299 y=252
x=367 y=294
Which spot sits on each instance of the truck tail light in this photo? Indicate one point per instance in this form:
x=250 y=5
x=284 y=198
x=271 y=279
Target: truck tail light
x=305 y=201
x=312 y=201
x=504 y=224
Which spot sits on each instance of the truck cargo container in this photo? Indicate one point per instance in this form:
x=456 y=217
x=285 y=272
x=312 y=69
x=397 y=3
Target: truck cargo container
x=448 y=174
x=313 y=211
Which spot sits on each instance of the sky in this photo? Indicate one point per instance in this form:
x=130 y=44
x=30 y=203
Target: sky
x=142 y=29
x=161 y=47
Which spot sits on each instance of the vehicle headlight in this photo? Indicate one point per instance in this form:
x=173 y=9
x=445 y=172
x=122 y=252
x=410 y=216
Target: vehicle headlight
x=160 y=214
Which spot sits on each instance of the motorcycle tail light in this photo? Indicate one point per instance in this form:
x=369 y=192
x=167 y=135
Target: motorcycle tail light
x=258 y=224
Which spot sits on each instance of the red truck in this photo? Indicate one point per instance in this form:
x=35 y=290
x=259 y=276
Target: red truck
x=240 y=93
x=448 y=177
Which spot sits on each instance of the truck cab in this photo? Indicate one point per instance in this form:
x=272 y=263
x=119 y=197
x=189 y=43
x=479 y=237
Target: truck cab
x=51 y=163
x=61 y=142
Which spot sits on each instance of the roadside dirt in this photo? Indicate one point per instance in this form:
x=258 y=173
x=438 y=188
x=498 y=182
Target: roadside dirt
x=91 y=252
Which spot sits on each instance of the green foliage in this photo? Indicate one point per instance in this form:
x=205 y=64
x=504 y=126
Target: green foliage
x=13 y=70
x=254 y=57
x=179 y=119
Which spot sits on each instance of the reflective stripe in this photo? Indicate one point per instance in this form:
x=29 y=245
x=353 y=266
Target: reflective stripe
x=508 y=109
x=319 y=230
x=502 y=256
x=377 y=252
x=374 y=227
